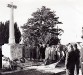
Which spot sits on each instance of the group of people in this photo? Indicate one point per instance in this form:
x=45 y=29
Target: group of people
x=72 y=60
x=51 y=53
x=37 y=52
x=46 y=53
x=72 y=57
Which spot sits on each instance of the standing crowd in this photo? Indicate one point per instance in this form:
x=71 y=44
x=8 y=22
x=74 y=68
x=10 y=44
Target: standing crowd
x=48 y=53
x=53 y=53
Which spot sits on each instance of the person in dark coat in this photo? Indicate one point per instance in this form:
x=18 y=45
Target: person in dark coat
x=34 y=53
x=42 y=52
x=31 y=53
x=77 y=59
x=1 y=57
x=70 y=60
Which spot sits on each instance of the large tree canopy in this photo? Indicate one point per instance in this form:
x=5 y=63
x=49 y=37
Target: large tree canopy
x=40 y=28
x=4 y=33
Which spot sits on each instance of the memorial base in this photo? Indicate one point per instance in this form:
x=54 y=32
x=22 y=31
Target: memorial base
x=13 y=51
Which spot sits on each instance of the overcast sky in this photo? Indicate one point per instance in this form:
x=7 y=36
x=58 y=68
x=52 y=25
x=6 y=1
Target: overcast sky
x=70 y=12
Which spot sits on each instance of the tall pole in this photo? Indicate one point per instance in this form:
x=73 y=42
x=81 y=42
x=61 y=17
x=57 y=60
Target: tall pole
x=11 y=26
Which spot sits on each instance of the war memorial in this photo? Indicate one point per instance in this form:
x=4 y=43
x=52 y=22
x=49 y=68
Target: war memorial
x=12 y=50
x=15 y=51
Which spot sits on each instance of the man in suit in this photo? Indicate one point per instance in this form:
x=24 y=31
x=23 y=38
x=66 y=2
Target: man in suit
x=70 y=60
x=77 y=58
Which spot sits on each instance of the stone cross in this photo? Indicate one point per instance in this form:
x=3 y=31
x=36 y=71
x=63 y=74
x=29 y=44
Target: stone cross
x=11 y=26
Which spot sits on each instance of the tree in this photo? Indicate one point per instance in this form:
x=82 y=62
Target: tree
x=4 y=33
x=38 y=28
x=17 y=33
x=1 y=33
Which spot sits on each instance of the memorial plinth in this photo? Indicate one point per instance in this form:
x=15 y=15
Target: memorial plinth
x=13 y=51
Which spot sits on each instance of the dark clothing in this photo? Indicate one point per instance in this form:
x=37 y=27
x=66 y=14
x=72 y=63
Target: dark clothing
x=34 y=53
x=70 y=63
x=77 y=60
x=31 y=54
x=70 y=71
x=72 y=60
x=42 y=52
x=1 y=58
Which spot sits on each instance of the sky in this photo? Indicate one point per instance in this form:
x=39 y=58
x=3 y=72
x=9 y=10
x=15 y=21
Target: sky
x=70 y=12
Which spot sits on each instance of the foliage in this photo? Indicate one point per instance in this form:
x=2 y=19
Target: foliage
x=38 y=28
x=4 y=33
x=1 y=33
x=17 y=33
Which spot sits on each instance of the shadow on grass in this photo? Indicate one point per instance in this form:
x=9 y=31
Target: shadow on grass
x=29 y=72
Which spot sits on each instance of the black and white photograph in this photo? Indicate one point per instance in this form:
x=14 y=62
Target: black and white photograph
x=41 y=37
